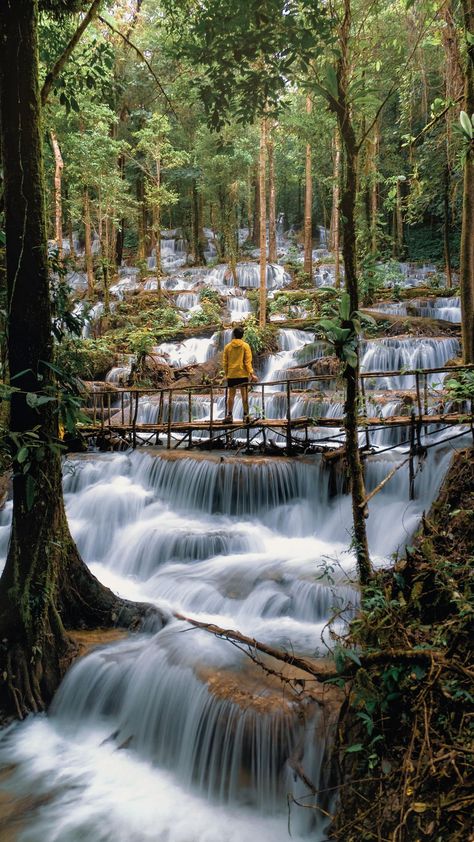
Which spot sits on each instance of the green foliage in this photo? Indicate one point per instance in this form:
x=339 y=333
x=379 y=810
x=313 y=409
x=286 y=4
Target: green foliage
x=375 y=276
x=166 y=317
x=88 y=359
x=141 y=341
x=209 y=294
x=210 y=314
x=461 y=386
x=343 y=331
x=261 y=339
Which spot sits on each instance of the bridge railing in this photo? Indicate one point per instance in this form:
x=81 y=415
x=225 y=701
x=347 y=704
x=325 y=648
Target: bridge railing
x=119 y=407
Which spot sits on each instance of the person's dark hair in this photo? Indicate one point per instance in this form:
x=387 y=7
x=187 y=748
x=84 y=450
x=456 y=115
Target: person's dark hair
x=238 y=332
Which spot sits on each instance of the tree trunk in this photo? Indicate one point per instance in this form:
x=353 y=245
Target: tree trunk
x=141 y=219
x=198 y=245
x=58 y=208
x=335 y=221
x=374 y=191
x=88 y=244
x=308 y=206
x=119 y=240
x=263 y=225
x=45 y=586
x=446 y=228
x=272 y=234
x=398 y=224
x=466 y=274
x=348 y=204
x=256 y=212
x=69 y=224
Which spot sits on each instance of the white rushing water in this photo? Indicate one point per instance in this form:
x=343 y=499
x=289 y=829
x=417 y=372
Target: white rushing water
x=178 y=717
x=174 y=735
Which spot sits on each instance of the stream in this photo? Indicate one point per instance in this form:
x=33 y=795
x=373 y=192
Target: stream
x=173 y=735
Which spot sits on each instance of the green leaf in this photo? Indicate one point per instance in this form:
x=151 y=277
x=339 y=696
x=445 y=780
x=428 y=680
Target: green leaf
x=354 y=747
x=352 y=654
x=345 y=306
x=466 y=124
x=350 y=357
x=331 y=81
x=22 y=455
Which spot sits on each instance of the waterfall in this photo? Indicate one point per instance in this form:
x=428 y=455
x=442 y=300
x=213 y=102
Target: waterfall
x=256 y=545
x=248 y=276
x=192 y=350
x=395 y=354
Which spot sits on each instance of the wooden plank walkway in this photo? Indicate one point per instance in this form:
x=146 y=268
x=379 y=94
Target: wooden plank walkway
x=116 y=412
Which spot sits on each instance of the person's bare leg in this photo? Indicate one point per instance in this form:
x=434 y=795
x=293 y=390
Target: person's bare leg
x=244 y=391
x=230 y=399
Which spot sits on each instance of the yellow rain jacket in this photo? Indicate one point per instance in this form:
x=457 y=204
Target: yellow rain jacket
x=237 y=359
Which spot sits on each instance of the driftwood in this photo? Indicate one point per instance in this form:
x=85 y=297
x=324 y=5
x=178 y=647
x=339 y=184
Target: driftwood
x=384 y=482
x=309 y=666
x=301 y=663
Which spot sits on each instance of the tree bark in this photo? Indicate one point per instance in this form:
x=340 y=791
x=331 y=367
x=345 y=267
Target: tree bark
x=272 y=234
x=335 y=222
x=58 y=209
x=308 y=205
x=88 y=244
x=45 y=586
x=374 y=191
x=466 y=274
x=341 y=106
x=263 y=225
x=256 y=212
x=198 y=245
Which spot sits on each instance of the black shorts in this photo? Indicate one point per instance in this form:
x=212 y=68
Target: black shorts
x=237 y=381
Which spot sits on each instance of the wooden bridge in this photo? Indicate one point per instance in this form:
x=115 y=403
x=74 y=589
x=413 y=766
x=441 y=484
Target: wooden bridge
x=114 y=414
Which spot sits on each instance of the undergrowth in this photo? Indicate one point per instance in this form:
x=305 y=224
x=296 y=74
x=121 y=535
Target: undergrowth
x=407 y=735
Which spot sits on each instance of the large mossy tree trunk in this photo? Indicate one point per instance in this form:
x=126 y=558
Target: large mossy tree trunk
x=466 y=274
x=45 y=586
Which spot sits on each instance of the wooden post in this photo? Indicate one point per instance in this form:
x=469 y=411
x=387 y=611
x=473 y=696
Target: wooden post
x=135 y=414
x=211 y=416
x=94 y=408
x=102 y=410
x=289 y=444
x=109 y=409
x=122 y=409
x=170 y=401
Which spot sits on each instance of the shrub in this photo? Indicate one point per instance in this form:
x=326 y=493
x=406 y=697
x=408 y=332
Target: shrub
x=261 y=339
x=210 y=314
x=209 y=294
x=89 y=359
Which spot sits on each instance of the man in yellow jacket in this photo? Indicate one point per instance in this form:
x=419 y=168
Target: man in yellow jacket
x=238 y=370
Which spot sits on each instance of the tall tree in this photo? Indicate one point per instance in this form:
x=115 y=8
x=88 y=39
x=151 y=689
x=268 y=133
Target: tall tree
x=308 y=204
x=45 y=587
x=467 y=238
x=263 y=223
